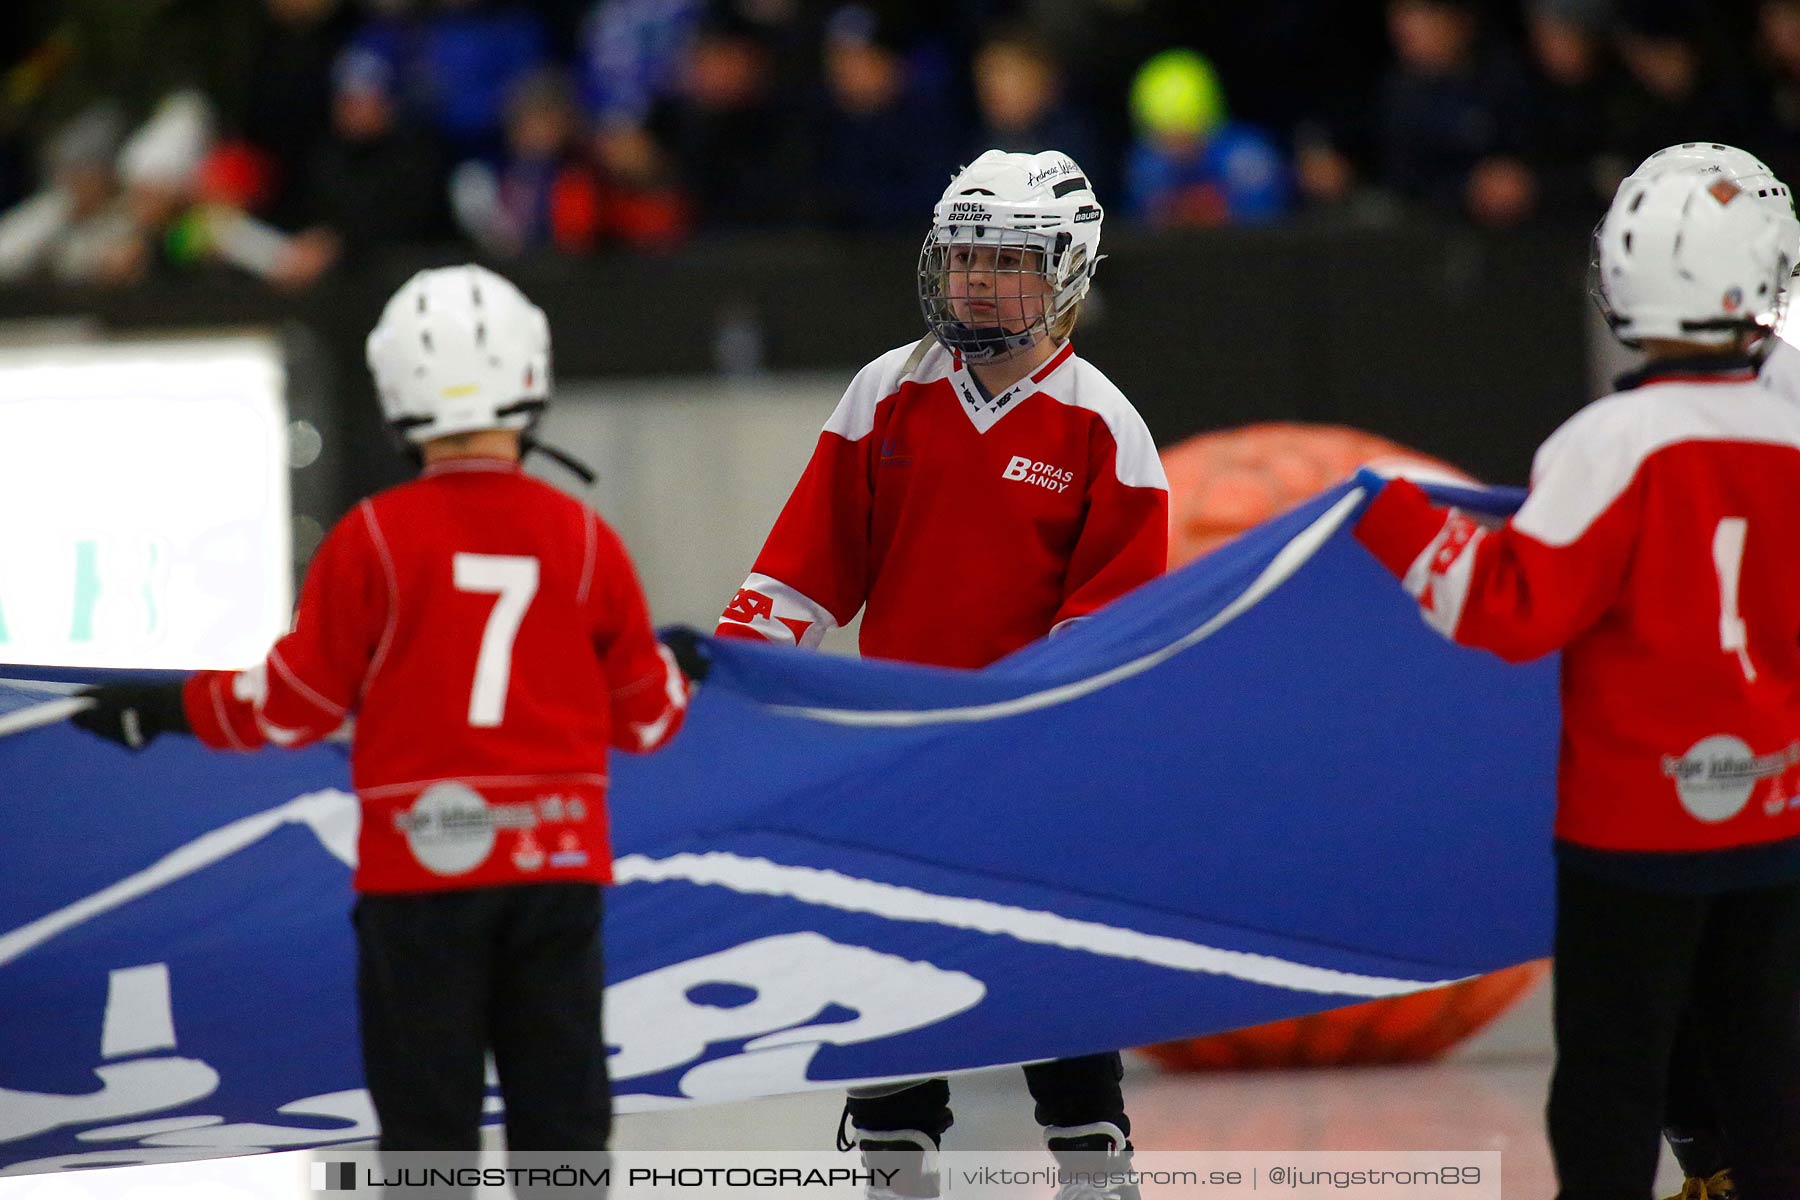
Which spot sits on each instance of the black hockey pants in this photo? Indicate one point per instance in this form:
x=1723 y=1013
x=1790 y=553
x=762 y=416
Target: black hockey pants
x=1628 y=964
x=442 y=978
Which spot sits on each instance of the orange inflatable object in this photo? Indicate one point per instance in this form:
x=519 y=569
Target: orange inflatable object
x=1398 y=1029
x=1221 y=484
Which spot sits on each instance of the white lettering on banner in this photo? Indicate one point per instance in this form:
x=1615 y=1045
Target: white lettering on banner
x=662 y=1019
x=833 y=889
x=138 y=1020
x=184 y=1140
x=351 y=1107
x=770 y=1000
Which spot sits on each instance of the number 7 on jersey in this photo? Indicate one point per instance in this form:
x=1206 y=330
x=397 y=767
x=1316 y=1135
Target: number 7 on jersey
x=514 y=579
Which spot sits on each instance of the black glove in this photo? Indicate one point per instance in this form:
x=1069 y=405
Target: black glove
x=690 y=656
x=133 y=714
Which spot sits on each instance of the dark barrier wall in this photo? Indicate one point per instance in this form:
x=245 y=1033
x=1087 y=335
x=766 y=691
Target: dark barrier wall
x=1471 y=347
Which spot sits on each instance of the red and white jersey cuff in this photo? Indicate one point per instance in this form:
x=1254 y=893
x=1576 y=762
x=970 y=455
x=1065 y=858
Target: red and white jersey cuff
x=770 y=609
x=1399 y=525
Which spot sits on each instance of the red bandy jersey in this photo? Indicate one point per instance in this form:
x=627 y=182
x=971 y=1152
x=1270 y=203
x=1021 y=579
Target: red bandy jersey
x=1656 y=551
x=490 y=637
x=965 y=526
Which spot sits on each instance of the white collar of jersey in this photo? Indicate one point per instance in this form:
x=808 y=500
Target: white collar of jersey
x=985 y=410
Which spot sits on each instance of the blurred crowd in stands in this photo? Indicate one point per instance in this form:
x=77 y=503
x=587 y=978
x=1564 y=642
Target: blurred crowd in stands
x=286 y=137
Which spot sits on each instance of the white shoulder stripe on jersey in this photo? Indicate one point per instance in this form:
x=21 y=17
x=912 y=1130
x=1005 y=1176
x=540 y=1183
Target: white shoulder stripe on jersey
x=1134 y=452
x=1588 y=463
x=854 y=417
x=1290 y=559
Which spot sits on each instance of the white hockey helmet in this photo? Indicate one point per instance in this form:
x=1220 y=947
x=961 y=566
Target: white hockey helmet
x=1039 y=202
x=1690 y=257
x=1740 y=167
x=459 y=349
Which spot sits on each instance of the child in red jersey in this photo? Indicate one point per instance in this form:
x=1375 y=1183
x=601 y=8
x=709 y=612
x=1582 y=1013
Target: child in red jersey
x=1654 y=551
x=489 y=636
x=972 y=493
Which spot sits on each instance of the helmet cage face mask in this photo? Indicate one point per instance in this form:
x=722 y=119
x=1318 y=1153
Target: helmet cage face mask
x=990 y=294
x=1596 y=281
x=979 y=284
x=1012 y=247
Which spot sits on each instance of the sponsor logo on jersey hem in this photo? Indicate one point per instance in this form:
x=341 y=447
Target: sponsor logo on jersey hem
x=1715 y=777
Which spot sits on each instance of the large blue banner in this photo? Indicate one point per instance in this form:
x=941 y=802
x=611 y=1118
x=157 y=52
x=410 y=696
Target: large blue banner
x=1257 y=788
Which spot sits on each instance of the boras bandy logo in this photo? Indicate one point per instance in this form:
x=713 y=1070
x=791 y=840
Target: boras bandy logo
x=1042 y=474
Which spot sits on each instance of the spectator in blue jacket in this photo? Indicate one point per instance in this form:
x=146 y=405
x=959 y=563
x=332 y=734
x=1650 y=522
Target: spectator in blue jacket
x=455 y=64
x=632 y=55
x=1191 y=166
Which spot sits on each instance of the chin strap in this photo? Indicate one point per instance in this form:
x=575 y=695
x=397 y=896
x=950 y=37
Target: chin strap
x=528 y=445
x=574 y=466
